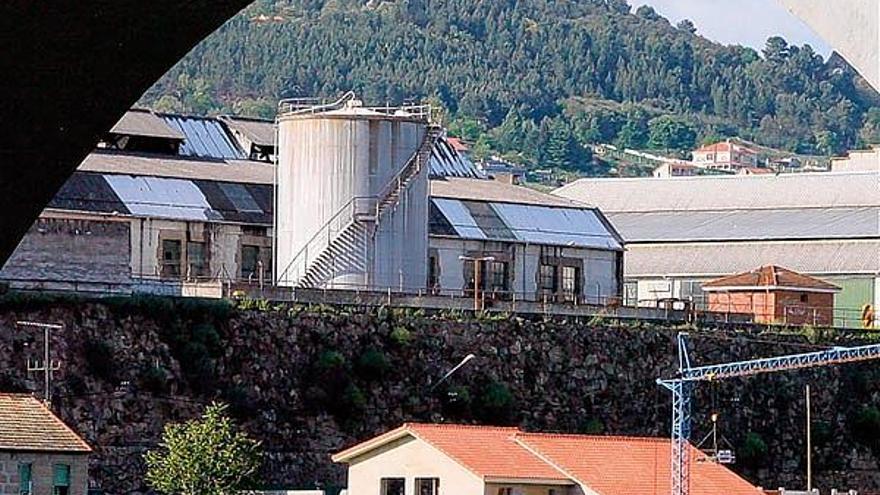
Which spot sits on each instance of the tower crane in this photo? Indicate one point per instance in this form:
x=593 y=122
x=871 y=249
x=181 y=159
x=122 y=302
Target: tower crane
x=682 y=388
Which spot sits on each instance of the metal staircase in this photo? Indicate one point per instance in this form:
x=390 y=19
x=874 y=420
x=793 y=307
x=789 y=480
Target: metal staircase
x=346 y=249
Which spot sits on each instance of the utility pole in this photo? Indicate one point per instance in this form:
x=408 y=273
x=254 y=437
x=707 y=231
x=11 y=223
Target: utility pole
x=477 y=261
x=809 y=445
x=47 y=366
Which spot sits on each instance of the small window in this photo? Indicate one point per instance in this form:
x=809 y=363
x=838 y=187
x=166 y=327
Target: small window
x=25 y=483
x=392 y=486
x=804 y=298
x=547 y=279
x=197 y=260
x=433 y=272
x=427 y=486
x=170 y=258
x=252 y=259
x=500 y=276
x=570 y=283
x=61 y=479
x=505 y=491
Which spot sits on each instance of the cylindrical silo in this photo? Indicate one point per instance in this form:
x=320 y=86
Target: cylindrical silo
x=335 y=165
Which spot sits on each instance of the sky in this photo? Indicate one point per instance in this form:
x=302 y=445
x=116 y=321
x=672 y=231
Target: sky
x=743 y=22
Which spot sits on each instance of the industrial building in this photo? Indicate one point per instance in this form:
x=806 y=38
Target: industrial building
x=183 y=205
x=682 y=232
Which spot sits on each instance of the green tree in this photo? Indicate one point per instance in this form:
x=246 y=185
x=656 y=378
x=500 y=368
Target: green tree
x=671 y=133
x=204 y=456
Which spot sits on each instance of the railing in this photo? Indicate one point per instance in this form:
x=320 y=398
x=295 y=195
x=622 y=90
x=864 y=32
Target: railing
x=323 y=238
x=314 y=106
x=414 y=162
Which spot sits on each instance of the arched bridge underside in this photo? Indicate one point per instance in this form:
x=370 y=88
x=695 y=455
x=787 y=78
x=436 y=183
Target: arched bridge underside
x=68 y=71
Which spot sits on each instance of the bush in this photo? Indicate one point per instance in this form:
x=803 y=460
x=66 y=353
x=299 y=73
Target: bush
x=753 y=450
x=330 y=360
x=401 y=336
x=592 y=426
x=865 y=426
x=353 y=401
x=496 y=403
x=99 y=358
x=372 y=364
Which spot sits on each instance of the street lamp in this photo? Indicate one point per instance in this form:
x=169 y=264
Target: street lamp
x=477 y=260
x=452 y=371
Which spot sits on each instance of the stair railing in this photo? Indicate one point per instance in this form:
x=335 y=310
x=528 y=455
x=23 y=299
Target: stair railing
x=396 y=182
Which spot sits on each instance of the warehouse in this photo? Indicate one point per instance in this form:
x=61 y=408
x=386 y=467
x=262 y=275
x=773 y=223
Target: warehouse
x=682 y=232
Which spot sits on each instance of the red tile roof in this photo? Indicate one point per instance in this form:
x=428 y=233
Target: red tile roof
x=488 y=452
x=724 y=146
x=773 y=278
x=603 y=465
x=27 y=425
x=458 y=145
x=626 y=465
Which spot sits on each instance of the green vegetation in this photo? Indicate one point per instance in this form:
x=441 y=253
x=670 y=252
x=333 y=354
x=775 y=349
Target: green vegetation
x=535 y=81
x=496 y=404
x=205 y=456
x=753 y=451
x=865 y=426
x=372 y=364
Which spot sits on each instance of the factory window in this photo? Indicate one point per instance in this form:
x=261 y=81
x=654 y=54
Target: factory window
x=433 y=272
x=61 y=479
x=499 y=277
x=547 y=279
x=570 y=283
x=505 y=491
x=250 y=262
x=197 y=260
x=392 y=486
x=803 y=298
x=25 y=483
x=170 y=258
x=427 y=486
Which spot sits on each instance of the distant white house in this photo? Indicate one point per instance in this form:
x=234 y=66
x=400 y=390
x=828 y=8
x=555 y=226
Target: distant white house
x=725 y=155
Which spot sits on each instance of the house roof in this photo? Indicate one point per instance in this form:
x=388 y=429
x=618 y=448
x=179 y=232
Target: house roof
x=488 y=452
x=627 y=465
x=142 y=122
x=770 y=277
x=722 y=147
x=28 y=425
x=258 y=131
x=458 y=145
x=601 y=465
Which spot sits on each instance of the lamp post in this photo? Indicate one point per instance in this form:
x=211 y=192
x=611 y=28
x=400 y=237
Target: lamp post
x=477 y=260
x=452 y=371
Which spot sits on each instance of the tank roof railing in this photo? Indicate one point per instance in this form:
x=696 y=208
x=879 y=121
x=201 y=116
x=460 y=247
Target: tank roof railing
x=314 y=106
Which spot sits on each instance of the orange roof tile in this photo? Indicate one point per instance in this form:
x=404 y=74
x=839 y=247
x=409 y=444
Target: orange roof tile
x=771 y=277
x=625 y=465
x=26 y=424
x=458 y=145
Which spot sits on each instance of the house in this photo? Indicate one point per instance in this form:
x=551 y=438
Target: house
x=530 y=245
x=676 y=169
x=429 y=459
x=774 y=295
x=685 y=231
x=39 y=454
x=726 y=155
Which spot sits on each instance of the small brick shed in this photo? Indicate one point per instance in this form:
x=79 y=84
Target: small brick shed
x=774 y=295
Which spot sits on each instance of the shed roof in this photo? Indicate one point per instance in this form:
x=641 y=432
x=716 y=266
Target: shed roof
x=258 y=131
x=729 y=192
x=447 y=161
x=204 y=137
x=28 y=425
x=495 y=191
x=770 y=277
x=244 y=171
x=143 y=122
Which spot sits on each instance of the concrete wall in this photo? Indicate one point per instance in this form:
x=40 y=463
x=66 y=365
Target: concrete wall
x=410 y=458
x=42 y=469
x=598 y=281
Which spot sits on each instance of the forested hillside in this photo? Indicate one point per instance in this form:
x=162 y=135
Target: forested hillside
x=532 y=79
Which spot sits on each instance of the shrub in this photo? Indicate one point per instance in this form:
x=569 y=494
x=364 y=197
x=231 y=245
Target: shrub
x=753 y=450
x=99 y=358
x=865 y=425
x=330 y=360
x=401 y=336
x=372 y=364
x=496 y=403
x=353 y=401
x=592 y=426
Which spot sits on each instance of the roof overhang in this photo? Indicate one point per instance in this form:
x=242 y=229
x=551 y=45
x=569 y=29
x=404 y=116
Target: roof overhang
x=771 y=288
x=529 y=481
x=360 y=449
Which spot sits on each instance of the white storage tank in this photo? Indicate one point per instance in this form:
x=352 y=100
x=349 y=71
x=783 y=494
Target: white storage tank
x=342 y=221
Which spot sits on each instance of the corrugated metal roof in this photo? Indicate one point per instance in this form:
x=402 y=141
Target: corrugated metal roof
x=826 y=189
x=163 y=198
x=799 y=223
x=242 y=171
x=711 y=260
x=141 y=122
x=204 y=137
x=447 y=162
x=495 y=191
x=258 y=131
x=524 y=223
